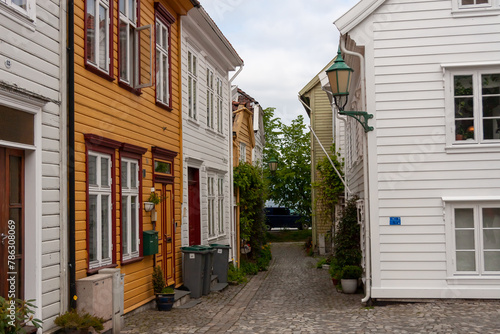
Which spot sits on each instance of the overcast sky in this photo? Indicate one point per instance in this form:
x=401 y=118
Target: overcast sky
x=284 y=44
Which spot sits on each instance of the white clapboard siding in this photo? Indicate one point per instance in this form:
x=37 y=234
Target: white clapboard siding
x=408 y=43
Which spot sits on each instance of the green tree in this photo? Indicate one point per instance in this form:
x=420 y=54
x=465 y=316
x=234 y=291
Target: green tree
x=290 y=185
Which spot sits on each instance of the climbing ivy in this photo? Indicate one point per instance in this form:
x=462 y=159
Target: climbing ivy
x=253 y=192
x=346 y=240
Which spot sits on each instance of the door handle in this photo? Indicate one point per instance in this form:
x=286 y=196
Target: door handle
x=168 y=239
x=3 y=236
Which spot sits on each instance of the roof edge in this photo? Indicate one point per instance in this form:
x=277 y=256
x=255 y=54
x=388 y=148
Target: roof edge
x=315 y=80
x=356 y=15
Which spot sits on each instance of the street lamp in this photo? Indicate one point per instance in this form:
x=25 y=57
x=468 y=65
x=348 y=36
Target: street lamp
x=339 y=76
x=273 y=164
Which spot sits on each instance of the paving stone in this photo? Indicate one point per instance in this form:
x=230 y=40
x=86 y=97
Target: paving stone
x=295 y=297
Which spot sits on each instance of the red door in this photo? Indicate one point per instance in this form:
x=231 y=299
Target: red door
x=165 y=215
x=11 y=223
x=194 y=206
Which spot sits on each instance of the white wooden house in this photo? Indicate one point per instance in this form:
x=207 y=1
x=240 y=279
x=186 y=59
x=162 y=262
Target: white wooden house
x=32 y=154
x=207 y=59
x=429 y=177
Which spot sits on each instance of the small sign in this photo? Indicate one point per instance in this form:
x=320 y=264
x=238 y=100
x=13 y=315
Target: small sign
x=219 y=251
x=192 y=255
x=395 y=221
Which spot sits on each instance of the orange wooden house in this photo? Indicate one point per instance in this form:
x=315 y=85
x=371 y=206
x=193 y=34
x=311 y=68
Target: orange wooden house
x=127 y=123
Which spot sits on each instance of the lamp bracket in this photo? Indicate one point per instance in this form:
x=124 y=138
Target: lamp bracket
x=361 y=116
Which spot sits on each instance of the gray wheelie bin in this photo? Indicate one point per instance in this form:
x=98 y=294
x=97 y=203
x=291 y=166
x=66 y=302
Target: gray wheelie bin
x=221 y=261
x=193 y=269
x=207 y=267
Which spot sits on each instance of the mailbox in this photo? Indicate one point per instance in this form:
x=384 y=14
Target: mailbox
x=150 y=242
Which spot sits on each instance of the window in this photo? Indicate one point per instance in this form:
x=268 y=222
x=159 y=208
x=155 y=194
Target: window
x=220 y=204
x=475 y=7
x=163 y=21
x=474 y=2
x=192 y=84
x=127 y=50
x=218 y=103
x=476 y=99
x=23 y=7
x=243 y=152
x=210 y=98
x=130 y=239
x=99 y=178
x=97 y=35
x=476 y=239
x=211 y=207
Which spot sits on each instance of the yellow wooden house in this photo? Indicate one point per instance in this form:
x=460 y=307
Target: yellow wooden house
x=127 y=128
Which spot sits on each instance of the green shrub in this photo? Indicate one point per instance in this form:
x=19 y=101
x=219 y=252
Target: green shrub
x=320 y=263
x=335 y=270
x=15 y=314
x=249 y=268
x=346 y=240
x=351 y=272
x=74 y=320
x=236 y=275
x=264 y=258
x=158 y=280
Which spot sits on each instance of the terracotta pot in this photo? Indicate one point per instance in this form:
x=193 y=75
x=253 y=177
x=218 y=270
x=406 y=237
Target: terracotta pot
x=335 y=282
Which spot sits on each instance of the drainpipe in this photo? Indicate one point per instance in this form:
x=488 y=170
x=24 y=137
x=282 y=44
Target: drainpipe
x=234 y=229
x=71 y=153
x=365 y=174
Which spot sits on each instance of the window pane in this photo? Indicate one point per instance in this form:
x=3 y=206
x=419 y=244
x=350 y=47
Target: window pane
x=133 y=175
x=20 y=3
x=105 y=227
x=104 y=171
x=491 y=239
x=131 y=10
x=464 y=130
x=17 y=126
x=15 y=191
x=491 y=106
x=122 y=6
x=125 y=221
x=164 y=33
x=124 y=175
x=93 y=228
x=467 y=2
x=463 y=85
x=103 y=39
x=91 y=31
x=464 y=218
x=466 y=261
x=162 y=167
x=491 y=129
x=464 y=239
x=133 y=226
x=165 y=78
x=92 y=172
x=492 y=261
x=464 y=107
x=123 y=50
x=491 y=217
x=491 y=83
x=481 y=1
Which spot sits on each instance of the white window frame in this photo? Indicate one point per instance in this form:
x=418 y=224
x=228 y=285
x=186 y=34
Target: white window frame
x=210 y=98
x=162 y=60
x=104 y=64
x=452 y=70
x=243 y=152
x=192 y=65
x=220 y=204
x=130 y=194
x=219 y=106
x=211 y=197
x=477 y=205
x=99 y=191
x=490 y=8
x=22 y=13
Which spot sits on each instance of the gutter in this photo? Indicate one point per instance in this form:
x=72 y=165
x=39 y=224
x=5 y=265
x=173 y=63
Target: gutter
x=71 y=154
x=365 y=174
x=231 y=81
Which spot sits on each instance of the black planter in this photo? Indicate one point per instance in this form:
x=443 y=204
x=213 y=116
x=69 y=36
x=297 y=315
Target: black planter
x=164 y=302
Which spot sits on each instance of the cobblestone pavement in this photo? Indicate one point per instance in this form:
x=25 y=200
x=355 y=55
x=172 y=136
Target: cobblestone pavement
x=295 y=297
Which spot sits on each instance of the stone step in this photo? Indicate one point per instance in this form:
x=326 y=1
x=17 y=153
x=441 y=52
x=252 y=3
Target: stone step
x=181 y=297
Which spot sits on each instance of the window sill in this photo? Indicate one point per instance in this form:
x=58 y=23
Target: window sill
x=472 y=148
x=129 y=88
x=473 y=280
x=211 y=131
x=133 y=260
x=471 y=12
x=163 y=106
x=21 y=18
x=99 y=72
x=96 y=270
x=193 y=122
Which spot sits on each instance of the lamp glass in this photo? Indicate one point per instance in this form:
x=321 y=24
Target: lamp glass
x=273 y=164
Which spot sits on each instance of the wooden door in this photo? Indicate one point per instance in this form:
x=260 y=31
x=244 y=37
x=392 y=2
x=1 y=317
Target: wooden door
x=166 y=234
x=11 y=223
x=194 y=206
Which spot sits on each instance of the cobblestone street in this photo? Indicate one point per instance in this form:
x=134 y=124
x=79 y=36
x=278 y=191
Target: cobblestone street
x=295 y=297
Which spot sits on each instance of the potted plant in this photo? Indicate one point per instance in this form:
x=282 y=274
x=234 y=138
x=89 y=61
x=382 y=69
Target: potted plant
x=164 y=294
x=15 y=316
x=335 y=271
x=152 y=201
x=350 y=276
x=75 y=322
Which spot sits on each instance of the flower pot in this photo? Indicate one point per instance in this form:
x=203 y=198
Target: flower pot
x=335 y=282
x=165 y=301
x=349 y=285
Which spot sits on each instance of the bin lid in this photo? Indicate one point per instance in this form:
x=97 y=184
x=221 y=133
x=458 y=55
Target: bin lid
x=205 y=248
x=220 y=246
x=150 y=232
x=194 y=249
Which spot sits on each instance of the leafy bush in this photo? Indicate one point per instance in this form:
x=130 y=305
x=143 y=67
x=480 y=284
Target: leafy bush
x=320 y=263
x=346 y=240
x=249 y=268
x=74 y=320
x=351 y=272
x=15 y=314
x=236 y=275
x=264 y=258
x=158 y=280
x=335 y=270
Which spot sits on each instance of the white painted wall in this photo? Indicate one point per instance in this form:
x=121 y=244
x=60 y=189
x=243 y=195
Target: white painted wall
x=412 y=166
x=37 y=78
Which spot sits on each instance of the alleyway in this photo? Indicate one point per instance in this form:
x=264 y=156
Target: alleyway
x=295 y=297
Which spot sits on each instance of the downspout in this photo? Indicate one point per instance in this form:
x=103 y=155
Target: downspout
x=71 y=154
x=365 y=174
x=234 y=228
